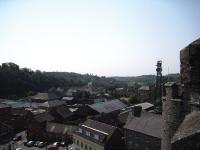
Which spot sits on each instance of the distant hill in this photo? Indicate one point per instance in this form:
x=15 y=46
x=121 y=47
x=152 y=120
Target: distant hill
x=20 y=82
x=147 y=79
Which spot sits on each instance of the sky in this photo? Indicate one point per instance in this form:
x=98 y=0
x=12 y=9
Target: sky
x=100 y=37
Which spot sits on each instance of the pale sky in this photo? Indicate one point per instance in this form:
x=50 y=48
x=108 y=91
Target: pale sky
x=102 y=37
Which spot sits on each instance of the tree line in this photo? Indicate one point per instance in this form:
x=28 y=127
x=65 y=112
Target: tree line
x=18 y=82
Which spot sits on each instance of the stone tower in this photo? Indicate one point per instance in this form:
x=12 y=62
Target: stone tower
x=181 y=99
x=190 y=76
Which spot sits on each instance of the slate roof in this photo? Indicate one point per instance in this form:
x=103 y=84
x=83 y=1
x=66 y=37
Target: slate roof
x=44 y=117
x=20 y=104
x=190 y=126
x=64 y=111
x=68 y=98
x=100 y=126
x=53 y=103
x=44 y=96
x=59 y=128
x=147 y=123
x=4 y=105
x=104 y=131
x=108 y=107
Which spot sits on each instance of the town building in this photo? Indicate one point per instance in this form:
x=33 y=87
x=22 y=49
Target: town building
x=59 y=132
x=94 y=135
x=142 y=130
x=37 y=126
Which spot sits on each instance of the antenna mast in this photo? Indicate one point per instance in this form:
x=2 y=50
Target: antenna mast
x=158 y=82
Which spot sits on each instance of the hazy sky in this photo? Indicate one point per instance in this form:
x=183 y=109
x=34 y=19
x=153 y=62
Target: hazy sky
x=103 y=37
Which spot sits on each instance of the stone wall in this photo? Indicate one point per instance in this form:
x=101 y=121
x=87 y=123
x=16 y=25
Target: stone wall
x=190 y=75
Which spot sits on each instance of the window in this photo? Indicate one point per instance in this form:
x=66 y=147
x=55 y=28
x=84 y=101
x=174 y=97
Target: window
x=74 y=141
x=90 y=148
x=87 y=133
x=77 y=142
x=96 y=136
x=91 y=134
x=82 y=144
x=85 y=146
x=80 y=130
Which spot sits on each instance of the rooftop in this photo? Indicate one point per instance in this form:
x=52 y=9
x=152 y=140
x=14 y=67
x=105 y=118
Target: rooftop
x=108 y=106
x=4 y=105
x=44 y=96
x=44 y=117
x=147 y=123
x=144 y=87
x=105 y=128
x=52 y=103
x=189 y=126
x=59 y=128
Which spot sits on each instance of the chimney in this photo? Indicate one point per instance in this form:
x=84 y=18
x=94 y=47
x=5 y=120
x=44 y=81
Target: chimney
x=171 y=114
x=137 y=111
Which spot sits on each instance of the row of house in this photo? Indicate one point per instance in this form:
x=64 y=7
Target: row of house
x=142 y=131
x=55 y=121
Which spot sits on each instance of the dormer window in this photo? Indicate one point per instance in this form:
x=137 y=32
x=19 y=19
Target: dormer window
x=87 y=133
x=96 y=136
x=80 y=130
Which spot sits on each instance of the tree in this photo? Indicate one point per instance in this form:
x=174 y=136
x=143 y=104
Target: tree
x=133 y=100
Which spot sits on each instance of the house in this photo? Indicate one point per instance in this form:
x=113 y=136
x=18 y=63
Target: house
x=37 y=126
x=112 y=106
x=59 y=132
x=43 y=97
x=63 y=114
x=94 y=135
x=144 y=94
x=142 y=131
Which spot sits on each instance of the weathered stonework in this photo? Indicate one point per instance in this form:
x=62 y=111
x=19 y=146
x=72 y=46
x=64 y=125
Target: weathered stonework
x=190 y=76
x=171 y=115
x=182 y=100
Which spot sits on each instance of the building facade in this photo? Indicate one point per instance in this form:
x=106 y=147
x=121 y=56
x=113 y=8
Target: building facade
x=94 y=135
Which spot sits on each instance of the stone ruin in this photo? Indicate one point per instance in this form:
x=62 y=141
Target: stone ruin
x=190 y=76
x=181 y=99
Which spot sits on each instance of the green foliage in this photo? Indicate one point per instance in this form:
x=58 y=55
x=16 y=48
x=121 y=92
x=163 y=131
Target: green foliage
x=20 y=82
x=148 y=79
x=133 y=100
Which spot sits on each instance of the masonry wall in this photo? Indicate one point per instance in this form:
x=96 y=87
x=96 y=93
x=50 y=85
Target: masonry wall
x=190 y=75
